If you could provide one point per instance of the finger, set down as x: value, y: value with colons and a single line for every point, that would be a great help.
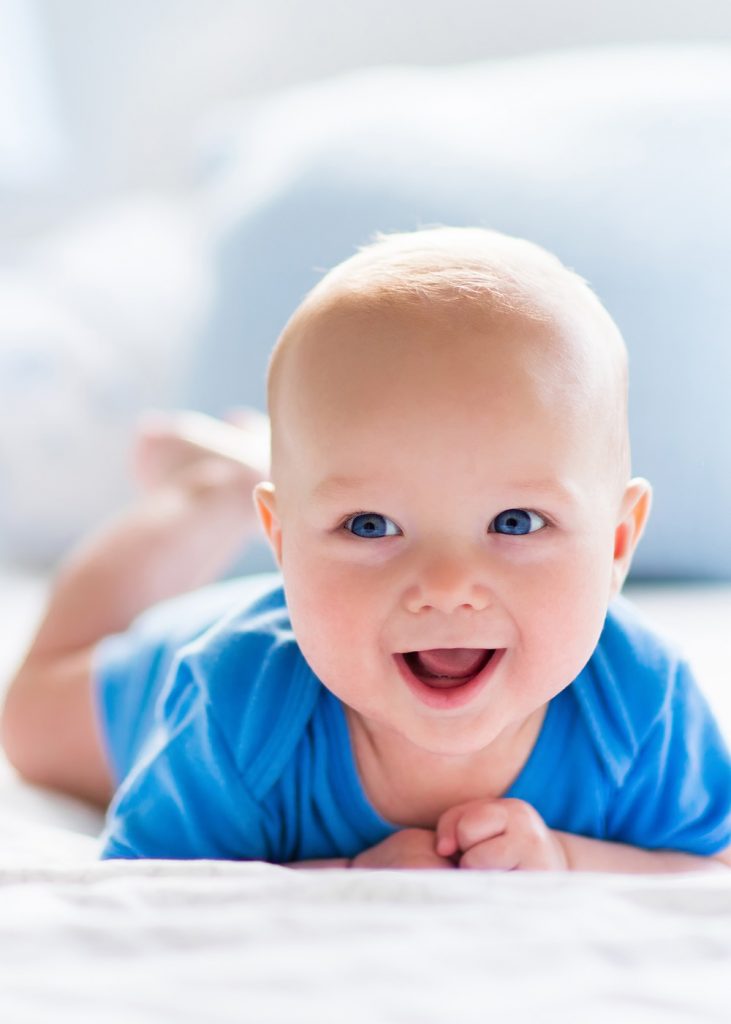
x: 496, y: 854
x: 446, y: 832
x: 480, y: 820
x: 536, y: 845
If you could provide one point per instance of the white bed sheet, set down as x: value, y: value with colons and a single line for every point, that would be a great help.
x: 207, y: 941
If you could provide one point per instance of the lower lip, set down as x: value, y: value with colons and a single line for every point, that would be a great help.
x: 453, y: 696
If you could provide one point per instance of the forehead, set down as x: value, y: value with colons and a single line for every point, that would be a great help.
x: 423, y: 377
x: 350, y: 358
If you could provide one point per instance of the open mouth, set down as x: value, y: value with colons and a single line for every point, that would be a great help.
x: 444, y: 667
x: 447, y: 677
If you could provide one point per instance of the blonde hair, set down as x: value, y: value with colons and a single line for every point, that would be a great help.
x: 450, y: 264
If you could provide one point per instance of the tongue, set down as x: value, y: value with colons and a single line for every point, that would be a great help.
x: 450, y: 663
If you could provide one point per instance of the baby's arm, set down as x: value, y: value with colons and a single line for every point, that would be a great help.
x: 584, y: 854
x: 413, y: 848
x: 509, y: 834
x: 524, y: 844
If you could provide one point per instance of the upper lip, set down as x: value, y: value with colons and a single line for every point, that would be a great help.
x: 447, y: 647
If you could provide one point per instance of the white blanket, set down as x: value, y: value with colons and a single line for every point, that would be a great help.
x: 208, y: 942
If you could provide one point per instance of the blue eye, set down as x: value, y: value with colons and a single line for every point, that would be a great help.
x: 371, y: 524
x: 516, y: 521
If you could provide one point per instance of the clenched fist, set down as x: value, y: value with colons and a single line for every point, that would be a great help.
x: 504, y: 834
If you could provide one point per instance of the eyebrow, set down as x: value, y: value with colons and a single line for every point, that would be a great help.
x: 333, y: 486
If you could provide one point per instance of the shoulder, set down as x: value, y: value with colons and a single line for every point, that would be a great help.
x: 634, y: 679
x: 247, y: 674
x: 628, y: 638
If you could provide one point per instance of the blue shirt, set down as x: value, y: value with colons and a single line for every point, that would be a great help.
x: 226, y: 745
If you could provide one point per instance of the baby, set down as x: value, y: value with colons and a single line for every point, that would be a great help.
x: 443, y: 676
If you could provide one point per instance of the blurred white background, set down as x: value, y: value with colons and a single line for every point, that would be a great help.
x: 169, y: 186
x: 98, y: 97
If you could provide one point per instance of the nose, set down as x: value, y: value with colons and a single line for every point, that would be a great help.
x: 445, y: 585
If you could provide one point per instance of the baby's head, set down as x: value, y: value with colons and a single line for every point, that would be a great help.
x: 450, y: 471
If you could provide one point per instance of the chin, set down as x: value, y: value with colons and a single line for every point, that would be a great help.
x: 451, y: 742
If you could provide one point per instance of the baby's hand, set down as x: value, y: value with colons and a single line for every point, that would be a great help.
x: 408, y: 848
x: 504, y: 834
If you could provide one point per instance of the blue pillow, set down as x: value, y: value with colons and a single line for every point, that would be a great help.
x: 618, y: 160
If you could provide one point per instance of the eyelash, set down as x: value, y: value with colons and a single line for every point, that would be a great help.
x: 365, y: 512
x: 354, y: 515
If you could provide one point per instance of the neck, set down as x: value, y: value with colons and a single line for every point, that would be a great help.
x: 412, y: 787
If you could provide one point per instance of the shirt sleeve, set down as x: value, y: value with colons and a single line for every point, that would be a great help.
x: 184, y: 798
x: 677, y: 792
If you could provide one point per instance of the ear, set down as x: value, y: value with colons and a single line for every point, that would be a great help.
x: 635, y: 509
x: 265, y: 500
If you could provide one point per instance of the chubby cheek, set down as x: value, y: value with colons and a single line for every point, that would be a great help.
x: 567, y: 611
x: 335, y: 617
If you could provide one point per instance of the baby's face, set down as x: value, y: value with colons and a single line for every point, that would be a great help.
x: 440, y: 486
